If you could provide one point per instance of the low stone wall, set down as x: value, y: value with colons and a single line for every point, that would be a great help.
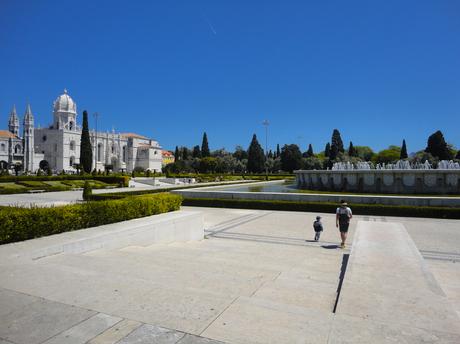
x: 178, y: 226
x: 382, y: 181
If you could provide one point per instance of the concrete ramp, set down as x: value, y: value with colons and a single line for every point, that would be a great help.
x: 389, y: 295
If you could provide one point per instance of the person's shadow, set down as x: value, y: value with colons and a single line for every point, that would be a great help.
x: 330, y: 247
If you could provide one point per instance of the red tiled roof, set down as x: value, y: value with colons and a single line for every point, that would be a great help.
x: 167, y: 153
x: 137, y: 136
x: 6, y: 133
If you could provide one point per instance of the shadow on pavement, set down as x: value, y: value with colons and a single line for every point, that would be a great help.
x: 330, y: 247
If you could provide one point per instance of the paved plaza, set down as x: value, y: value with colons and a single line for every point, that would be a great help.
x: 257, y: 278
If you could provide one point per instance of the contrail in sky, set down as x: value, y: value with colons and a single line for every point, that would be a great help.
x: 209, y: 23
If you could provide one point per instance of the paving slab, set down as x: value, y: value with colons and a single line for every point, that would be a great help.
x: 116, y: 333
x: 191, y: 339
x: 354, y: 330
x: 254, y: 320
x: 86, y: 330
x: 2, y: 341
x: 40, y: 320
x: 152, y: 334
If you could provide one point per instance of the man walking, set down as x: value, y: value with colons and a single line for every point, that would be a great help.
x: 342, y: 220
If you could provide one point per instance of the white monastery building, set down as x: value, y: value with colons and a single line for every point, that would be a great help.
x: 58, y: 146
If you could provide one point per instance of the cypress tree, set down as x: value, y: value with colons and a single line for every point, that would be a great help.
x: 278, y: 152
x: 403, y: 154
x: 336, y: 144
x: 177, y: 155
x: 437, y: 146
x: 290, y: 158
x: 327, y: 150
x: 205, y: 147
x: 196, y: 152
x: 310, y: 151
x: 185, y: 153
x: 86, y: 151
x: 351, y: 150
x: 256, y: 158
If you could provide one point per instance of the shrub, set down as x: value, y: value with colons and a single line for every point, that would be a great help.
x: 327, y: 207
x: 87, y: 191
x: 19, y: 224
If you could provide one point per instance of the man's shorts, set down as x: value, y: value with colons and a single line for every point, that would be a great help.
x: 344, y: 226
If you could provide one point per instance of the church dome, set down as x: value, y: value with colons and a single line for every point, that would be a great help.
x: 64, y: 103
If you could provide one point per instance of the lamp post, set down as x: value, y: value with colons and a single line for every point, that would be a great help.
x: 96, y: 115
x: 266, y: 124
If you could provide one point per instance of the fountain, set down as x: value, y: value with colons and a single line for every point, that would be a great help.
x: 399, y: 177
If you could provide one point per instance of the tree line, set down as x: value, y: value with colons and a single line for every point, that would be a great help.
x: 289, y: 157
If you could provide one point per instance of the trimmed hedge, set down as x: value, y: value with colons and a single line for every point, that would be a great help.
x: 105, y: 179
x: 327, y: 207
x: 19, y: 224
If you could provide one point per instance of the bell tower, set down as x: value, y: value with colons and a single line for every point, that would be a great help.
x: 28, y: 140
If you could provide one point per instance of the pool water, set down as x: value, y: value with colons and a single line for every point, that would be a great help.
x: 281, y: 187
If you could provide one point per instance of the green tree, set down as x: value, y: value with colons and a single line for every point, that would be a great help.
x: 327, y: 150
x: 278, y: 152
x: 205, y: 147
x: 311, y: 163
x: 86, y: 152
x: 364, y: 152
x: 403, y: 151
x: 185, y: 153
x: 240, y: 153
x: 196, y: 152
x: 291, y: 158
x: 437, y: 146
x: 177, y: 155
x: 310, y: 152
x: 256, y: 158
x: 458, y: 155
x: 336, y: 145
x: 352, y: 150
x: 389, y: 155
x: 208, y: 165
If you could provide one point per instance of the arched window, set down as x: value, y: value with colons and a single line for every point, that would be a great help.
x: 72, y: 145
x: 113, y: 149
x: 70, y: 125
x: 124, y: 153
x: 17, y: 149
x: 71, y: 161
x: 99, y: 152
x: 2, y: 147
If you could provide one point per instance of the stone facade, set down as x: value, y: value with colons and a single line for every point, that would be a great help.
x: 382, y: 181
x: 58, y: 146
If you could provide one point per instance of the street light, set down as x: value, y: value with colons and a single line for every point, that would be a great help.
x: 96, y: 115
x: 266, y: 124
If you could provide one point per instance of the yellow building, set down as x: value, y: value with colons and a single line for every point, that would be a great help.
x: 168, y: 157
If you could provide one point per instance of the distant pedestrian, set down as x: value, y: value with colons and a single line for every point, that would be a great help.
x: 342, y: 220
x: 318, y: 227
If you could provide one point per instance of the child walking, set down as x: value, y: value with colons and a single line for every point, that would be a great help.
x: 318, y: 227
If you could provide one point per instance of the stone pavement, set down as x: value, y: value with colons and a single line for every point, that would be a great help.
x: 255, y: 279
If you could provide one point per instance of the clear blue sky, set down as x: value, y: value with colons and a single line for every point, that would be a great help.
x: 379, y: 71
